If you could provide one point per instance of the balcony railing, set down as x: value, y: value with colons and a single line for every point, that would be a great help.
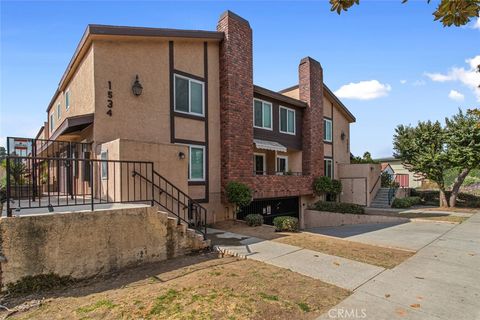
x: 277, y: 173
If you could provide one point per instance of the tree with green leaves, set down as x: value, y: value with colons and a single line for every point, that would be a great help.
x: 3, y: 153
x: 429, y: 150
x: 449, y: 12
x: 238, y: 194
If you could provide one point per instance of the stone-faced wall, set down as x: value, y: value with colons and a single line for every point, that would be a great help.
x: 84, y: 244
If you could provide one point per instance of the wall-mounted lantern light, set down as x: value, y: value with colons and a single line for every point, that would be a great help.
x: 137, y: 87
x: 181, y: 155
x: 343, y: 135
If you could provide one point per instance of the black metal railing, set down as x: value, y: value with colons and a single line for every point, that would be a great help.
x: 177, y: 202
x: 277, y: 173
x: 49, y: 182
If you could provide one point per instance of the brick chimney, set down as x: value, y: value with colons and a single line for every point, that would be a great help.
x: 236, y: 98
x: 310, y: 82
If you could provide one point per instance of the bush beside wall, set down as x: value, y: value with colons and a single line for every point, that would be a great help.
x: 254, y: 220
x: 285, y: 223
x: 338, y: 207
x: 406, y: 202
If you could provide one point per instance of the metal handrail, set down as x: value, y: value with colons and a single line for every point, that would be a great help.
x: 179, y: 202
x: 376, y: 182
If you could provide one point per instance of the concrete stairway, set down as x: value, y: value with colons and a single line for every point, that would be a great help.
x: 381, y: 199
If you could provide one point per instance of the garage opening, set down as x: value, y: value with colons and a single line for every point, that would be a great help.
x: 271, y: 208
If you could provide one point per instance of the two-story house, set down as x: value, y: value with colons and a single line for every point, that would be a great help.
x: 185, y: 100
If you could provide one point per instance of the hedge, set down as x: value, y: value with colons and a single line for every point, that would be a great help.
x: 254, y: 220
x: 340, y: 207
x: 406, y: 202
x: 285, y: 223
x: 432, y: 198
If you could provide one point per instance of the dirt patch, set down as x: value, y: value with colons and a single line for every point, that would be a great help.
x: 461, y: 210
x: 193, y: 287
x: 433, y: 217
x: 375, y: 255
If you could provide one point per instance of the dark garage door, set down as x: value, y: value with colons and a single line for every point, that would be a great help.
x: 271, y: 208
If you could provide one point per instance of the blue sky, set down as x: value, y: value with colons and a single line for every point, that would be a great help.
x: 390, y: 63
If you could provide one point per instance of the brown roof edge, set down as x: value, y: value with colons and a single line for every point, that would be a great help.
x: 330, y: 93
x: 40, y: 131
x: 280, y: 97
x: 97, y: 29
x: 83, y: 119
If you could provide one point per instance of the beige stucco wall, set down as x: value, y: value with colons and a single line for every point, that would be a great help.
x: 315, y: 219
x: 164, y: 157
x: 143, y: 118
x: 189, y: 129
x: 81, y: 87
x: 398, y: 167
x: 295, y: 93
x: 360, y: 182
x: 85, y: 244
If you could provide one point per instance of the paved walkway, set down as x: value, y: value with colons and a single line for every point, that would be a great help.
x: 440, y: 282
x: 338, y: 271
x: 411, y: 236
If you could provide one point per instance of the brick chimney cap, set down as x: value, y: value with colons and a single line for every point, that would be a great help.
x: 233, y: 15
x: 310, y: 60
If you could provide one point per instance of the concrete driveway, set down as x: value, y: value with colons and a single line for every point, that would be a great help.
x: 410, y: 236
x: 440, y: 282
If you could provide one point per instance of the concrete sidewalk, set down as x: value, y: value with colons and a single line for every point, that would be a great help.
x: 440, y: 282
x: 338, y: 271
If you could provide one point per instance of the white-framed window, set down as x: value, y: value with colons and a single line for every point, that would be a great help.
x: 259, y: 163
x: 52, y: 122
x: 287, y: 120
x: 59, y: 111
x: 196, y: 163
x: 327, y: 130
x: 282, y: 164
x: 188, y: 95
x: 67, y: 99
x: 104, y: 164
x: 262, y: 114
x: 328, y: 168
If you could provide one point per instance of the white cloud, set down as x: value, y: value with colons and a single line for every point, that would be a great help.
x: 363, y: 90
x: 467, y: 76
x: 476, y: 24
x: 455, y: 95
x: 403, y: 81
x: 418, y: 83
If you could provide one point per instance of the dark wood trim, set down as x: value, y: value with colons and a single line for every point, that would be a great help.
x: 189, y: 142
x: 205, y: 112
x: 328, y: 157
x: 328, y: 118
x: 197, y: 183
x: 279, y: 97
x: 328, y: 142
x: 333, y: 145
x: 188, y: 75
x: 188, y: 116
x: 170, y: 66
x: 152, y: 32
x: 72, y: 124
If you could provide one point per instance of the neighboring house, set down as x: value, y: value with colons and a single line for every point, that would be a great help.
x: 403, y: 176
x: 200, y: 119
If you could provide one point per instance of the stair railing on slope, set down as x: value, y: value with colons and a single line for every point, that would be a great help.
x: 175, y: 201
x: 392, y: 191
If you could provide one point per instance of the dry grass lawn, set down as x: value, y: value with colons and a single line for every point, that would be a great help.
x: 193, y: 287
x: 433, y: 216
x: 375, y: 255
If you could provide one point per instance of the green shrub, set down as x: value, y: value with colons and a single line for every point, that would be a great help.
x: 238, y: 194
x: 406, y: 202
x: 325, y: 185
x: 431, y: 198
x: 338, y: 207
x: 254, y: 220
x: 285, y: 223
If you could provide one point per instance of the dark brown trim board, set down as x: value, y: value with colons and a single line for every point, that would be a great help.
x: 205, y: 112
x: 279, y: 97
x: 72, y: 124
x: 170, y: 66
x: 188, y: 75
